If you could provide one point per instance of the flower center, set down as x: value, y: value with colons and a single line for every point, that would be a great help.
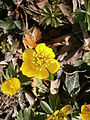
x: 41, y: 59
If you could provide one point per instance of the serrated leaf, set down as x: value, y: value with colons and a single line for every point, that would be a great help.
x: 46, y: 107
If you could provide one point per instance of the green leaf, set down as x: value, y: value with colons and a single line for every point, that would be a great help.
x: 79, y: 15
x: 53, y: 22
x: 43, y: 20
x: 51, y: 15
x: 72, y: 84
x: 20, y: 115
x: 10, y: 72
x: 44, y: 10
x: 58, y: 103
x: 48, y: 8
x: 78, y: 63
x: 48, y: 21
x: 7, y: 25
x: 46, y: 107
x: 86, y: 58
x: 18, y: 24
x: 24, y: 80
x: 52, y: 102
x: 40, y: 116
x: 51, y: 77
x: 7, y: 74
x: 28, y: 114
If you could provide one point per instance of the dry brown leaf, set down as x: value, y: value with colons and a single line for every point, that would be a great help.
x: 71, y: 51
x: 21, y: 100
x: 31, y: 37
x: 34, y: 83
x: 86, y: 45
x: 74, y: 5
x: 76, y: 2
x: 66, y: 10
x: 54, y: 87
x: 41, y: 3
x: 9, y: 115
x: 1, y: 71
x: 30, y: 98
x: 61, y: 40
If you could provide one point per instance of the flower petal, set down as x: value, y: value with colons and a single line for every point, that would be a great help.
x: 28, y: 69
x: 44, y: 49
x: 85, y: 108
x: 40, y: 47
x: 42, y: 74
x: 11, y: 86
x: 53, y: 66
x: 28, y: 55
x: 66, y: 110
x: 85, y: 116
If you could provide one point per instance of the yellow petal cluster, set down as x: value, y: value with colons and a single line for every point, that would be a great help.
x: 61, y: 114
x: 37, y: 63
x: 11, y: 86
x: 85, y: 112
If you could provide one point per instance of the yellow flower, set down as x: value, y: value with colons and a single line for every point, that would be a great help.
x: 10, y: 86
x: 61, y: 114
x: 85, y: 112
x: 37, y: 63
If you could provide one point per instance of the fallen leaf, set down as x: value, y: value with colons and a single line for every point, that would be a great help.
x: 54, y: 87
x: 41, y: 3
x: 86, y: 45
x: 30, y: 98
x: 74, y: 5
x: 31, y: 37
x: 71, y: 51
x: 66, y: 10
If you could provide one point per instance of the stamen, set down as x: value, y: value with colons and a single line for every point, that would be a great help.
x: 41, y: 59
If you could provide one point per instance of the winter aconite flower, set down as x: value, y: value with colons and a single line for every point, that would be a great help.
x: 85, y: 112
x: 11, y: 86
x: 61, y: 114
x: 37, y: 63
